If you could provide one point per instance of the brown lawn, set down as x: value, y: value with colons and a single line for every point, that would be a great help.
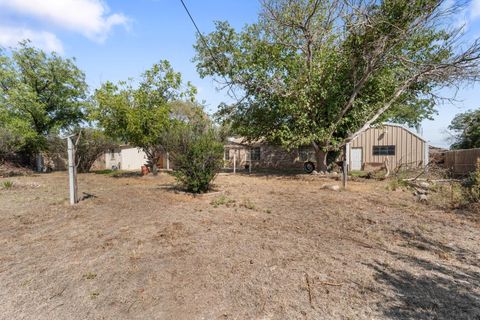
x: 271, y: 247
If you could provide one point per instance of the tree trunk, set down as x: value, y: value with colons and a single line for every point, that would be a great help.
x: 152, y: 157
x: 321, y: 157
x: 154, y: 167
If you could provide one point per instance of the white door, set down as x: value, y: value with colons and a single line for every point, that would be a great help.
x: 356, y: 156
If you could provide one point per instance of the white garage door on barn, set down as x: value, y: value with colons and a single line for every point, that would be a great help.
x: 356, y: 158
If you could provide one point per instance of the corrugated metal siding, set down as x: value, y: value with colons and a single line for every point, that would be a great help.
x: 409, y: 148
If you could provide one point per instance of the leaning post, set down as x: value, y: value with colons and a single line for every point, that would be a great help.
x: 345, y: 162
x: 72, y: 171
x: 234, y: 162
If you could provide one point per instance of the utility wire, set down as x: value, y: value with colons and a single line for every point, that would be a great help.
x: 205, y: 43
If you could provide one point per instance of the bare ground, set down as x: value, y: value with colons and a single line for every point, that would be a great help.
x: 271, y: 247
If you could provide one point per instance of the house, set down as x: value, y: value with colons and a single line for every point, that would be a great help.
x: 241, y: 153
x: 390, y: 144
x: 126, y: 157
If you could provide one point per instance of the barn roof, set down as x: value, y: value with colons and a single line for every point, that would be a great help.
x: 386, y: 124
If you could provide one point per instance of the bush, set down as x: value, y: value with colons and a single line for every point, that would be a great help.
x: 471, y: 186
x: 198, y: 160
x: 92, y: 144
x: 10, y: 143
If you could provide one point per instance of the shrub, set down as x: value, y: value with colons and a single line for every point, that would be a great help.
x: 198, y: 159
x: 92, y: 144
x: 471, y: 186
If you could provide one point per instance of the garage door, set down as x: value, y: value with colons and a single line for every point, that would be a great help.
x: 356, y: 156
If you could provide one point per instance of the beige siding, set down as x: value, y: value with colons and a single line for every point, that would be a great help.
x: 409, y: 148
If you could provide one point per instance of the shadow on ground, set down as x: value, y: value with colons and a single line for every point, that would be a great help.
x: 427, y: 289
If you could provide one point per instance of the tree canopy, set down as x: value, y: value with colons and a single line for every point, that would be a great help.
x: 40, y: 94
x: 466, y: 127
x: 141, y: 114
x: 321, y: 72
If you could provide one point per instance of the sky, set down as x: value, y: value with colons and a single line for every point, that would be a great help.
x: 119, y: 39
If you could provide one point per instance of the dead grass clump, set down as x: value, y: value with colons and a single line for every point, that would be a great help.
x: 248, y: 204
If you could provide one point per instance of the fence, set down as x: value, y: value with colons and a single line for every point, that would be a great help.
x: 462, y: 161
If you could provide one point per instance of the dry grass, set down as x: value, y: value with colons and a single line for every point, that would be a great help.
x: 270, y: 247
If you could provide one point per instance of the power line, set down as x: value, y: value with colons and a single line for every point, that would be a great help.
x: 205, y: 43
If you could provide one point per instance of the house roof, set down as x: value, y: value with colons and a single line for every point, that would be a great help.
x: 241, y: 141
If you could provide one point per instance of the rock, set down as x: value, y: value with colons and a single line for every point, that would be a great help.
x: 421, y: 191
x: 334, y: 173
x: 332, y: 187
x: 422, y: 198
x: 314, y: 172
x: 424, y: 185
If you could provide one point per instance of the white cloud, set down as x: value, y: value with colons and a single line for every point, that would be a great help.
x: 91, y: 18
x: 10, y: 36
x: 475, y: 9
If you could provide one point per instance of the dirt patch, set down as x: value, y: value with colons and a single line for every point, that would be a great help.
x: 269, y: 247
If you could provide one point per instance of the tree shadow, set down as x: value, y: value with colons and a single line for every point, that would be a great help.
x: 449, y: 295
x: 421, y: 242
x: 88, y: 196
x: 282, y: 174
x: 426, y: 289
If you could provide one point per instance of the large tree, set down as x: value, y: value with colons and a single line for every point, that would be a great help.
x: 321, y: 72
x: 140, y: 114
x: 466, y: 127
x: 40, y: 94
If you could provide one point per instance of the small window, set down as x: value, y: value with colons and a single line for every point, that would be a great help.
x: 255, y: 154
x: 383, y: 150
x: 112, y: 154
x: 226, y: 154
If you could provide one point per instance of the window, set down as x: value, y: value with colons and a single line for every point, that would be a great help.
x: 255, y: 154
x: 112, y: 154
x: 383, y: 150
x: 226, y: 154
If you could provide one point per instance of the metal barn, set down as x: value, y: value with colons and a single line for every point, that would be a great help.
x: 389, y: 143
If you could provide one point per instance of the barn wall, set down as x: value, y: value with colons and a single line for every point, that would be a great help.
x: 409, y: 148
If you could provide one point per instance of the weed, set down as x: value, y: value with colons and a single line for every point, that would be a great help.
x: 223, y: 200
x: 89, y: 276
x: 247, y: 203
x: 396, y: 183
x: 424, y: 228
x: 7, y: 185
x: 471, y: 186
